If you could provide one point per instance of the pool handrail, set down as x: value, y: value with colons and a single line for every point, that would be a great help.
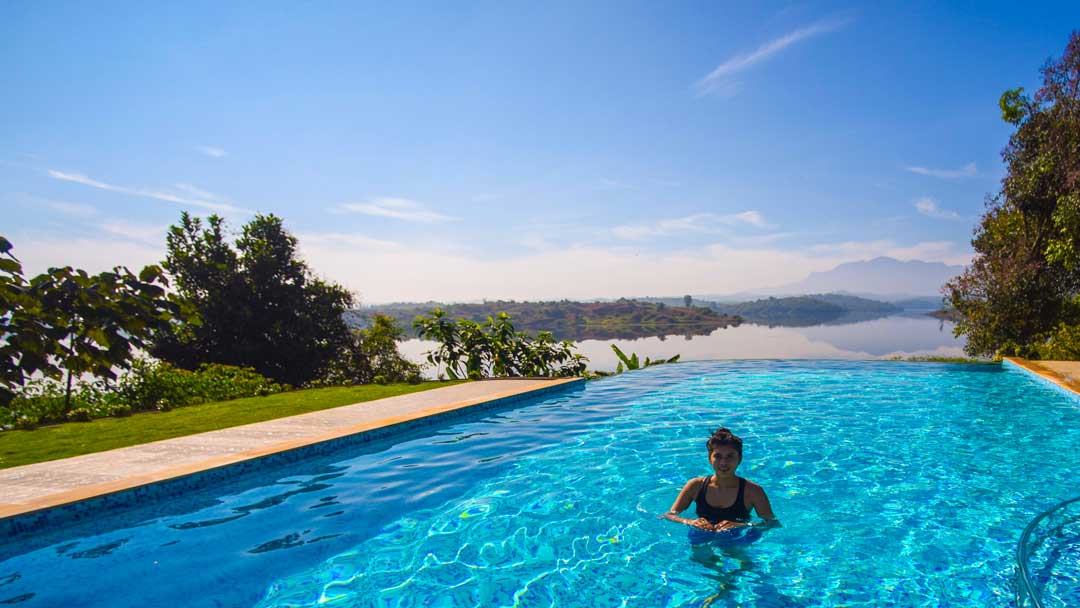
x: 1026, y: 586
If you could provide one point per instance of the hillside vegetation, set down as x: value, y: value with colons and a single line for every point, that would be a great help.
x: 621, y: 319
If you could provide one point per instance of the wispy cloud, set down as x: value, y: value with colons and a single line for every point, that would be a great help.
x: 698, y: 222
x: 150, y: 234
x: 719, y: 81
x: 212, y: 152
x: 358, y: 241
x: 929, y: 207
x: 967, y: 170
x: 397, y: 208
x: 161, y: 196
x: 849, y: 251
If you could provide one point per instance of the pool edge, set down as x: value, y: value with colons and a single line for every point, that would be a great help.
x: 1045, y: 375
x: 60, y: 507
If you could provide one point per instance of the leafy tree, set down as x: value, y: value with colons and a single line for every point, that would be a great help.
x: 688, y: 301
x: 256, y: 304
x: 1022, y: 285
x: 472, y: 350
x: 372, y: 356
x: 66, y: 321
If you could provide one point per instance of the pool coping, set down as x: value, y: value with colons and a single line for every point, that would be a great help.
x: 33, y: 513
x: 1040, y: 371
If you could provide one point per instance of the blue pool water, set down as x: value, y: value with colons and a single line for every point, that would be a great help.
x: 897, y: 484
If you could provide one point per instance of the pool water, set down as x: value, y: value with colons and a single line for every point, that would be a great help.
x: 897, y: 484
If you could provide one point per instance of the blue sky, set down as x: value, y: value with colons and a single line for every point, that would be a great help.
x: 462, y: 151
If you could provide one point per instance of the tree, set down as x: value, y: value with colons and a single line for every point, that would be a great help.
x: 372, y: 356
x: 687, y: 301
x: 1025, y: 277
x: 256, y: 304
x: 472, y: 350
x: 66, y: 321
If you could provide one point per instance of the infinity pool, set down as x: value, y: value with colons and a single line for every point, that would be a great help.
x: 897, y: 484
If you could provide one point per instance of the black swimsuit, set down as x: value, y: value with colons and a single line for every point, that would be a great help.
x: 736, y: 512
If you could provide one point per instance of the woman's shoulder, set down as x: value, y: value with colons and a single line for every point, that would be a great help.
x: 753, y: 487
x: 694, y: 482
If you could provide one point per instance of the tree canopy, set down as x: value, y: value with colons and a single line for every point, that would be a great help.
x: 255, y: 304
x: 68, y: 321
x: 1020, y: 291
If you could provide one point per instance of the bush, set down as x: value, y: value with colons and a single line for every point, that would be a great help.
x: 147, y: 386
x: 1060, y: 344
x: 79, y: 414
x: 371, y: 356
x: 120, y: 411
x: 42, y: 402
x: 493, y: 349
x: 158, y: 385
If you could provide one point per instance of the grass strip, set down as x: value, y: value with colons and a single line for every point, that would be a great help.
x: 76, y: 438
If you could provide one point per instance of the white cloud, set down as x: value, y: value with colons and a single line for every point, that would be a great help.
x: 719, y: 80
x: 581, y: 272
x: 929, y: 207
x: 38, y: 253
x: 198, y: 193
x: 161, y: 196
x: 706, y: 223
x: 151, y: 234
x: 212, y: 152
x: 928, y: 251
x: 384, y: 271
x: 359, y: 241
x: 397, y: 208
x: 967, y: 170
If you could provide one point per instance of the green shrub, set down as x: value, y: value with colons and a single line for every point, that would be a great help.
x: 79, y: 414
x: 160, y: 386
x: 147, y: 386
x: 1062, y: 344
x: 371, y: 356
x: 493, y: 349
x: 120, y: 411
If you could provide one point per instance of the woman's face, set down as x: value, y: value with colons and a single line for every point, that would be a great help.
x: 724, y: 460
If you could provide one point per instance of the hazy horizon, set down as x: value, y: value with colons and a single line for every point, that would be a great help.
x: 493, y: 151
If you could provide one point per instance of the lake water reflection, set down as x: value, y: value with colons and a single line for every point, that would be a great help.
x: 900, y: 335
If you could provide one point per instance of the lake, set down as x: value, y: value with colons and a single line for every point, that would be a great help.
x: 902, y: 335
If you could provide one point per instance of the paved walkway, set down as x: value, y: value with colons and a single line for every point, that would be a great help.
x: 1063, y: 373
x: 48, y: 484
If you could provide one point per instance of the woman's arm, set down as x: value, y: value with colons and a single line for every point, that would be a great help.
x: 686, y: 496
x: 759, y: 501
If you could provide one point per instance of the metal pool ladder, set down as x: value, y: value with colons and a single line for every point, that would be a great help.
x: 1028, y: 592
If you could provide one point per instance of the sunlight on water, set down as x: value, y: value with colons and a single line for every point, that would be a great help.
x: 897, y: 484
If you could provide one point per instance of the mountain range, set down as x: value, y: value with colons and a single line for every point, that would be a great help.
x: 881, y: 278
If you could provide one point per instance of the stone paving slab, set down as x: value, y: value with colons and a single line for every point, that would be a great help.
x: 1063, y: 373
x: 47, y: 484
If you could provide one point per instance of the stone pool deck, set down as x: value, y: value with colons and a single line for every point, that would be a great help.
x: 42, y: 485
x: 1065, y: 374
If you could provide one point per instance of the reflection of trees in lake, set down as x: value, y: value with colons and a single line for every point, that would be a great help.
x: 602, y: 330
x: 618, y: 320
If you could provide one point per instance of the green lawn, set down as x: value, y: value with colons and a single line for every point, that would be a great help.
x: 74, y: 438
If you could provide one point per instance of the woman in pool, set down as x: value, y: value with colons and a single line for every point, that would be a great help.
x: 722, y: 488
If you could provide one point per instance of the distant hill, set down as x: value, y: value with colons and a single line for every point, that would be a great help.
x: 880, y: 278
x: 801, y: 311
x: 620, y: 319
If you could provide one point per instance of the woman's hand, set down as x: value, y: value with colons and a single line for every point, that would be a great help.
x: 700, y: 523
x: 727, y: 525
